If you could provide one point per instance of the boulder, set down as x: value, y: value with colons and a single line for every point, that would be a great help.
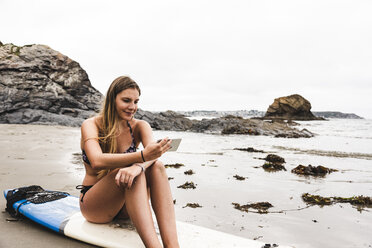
x: 42, y: 86
x: 293, y: 107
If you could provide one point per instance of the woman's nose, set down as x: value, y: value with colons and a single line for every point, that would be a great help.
x: 131, y: 105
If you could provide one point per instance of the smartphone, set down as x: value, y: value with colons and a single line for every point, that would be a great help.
x: 174, y: 145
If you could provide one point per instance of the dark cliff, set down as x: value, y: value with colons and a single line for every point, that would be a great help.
x: 42, y: 86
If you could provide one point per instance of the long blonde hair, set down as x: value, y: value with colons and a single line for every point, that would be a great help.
x: 108, y: 121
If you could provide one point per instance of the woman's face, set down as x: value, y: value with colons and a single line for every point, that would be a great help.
x: 126, y: 103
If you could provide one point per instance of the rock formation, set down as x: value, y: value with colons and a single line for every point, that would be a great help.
x: 40, y: 85
x: 238, y: 125
x: 170, y: 120
x: 293, y: 107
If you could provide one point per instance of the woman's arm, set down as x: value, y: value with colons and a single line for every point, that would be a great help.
x: 126, y: 176
x: 99, y: 160
x: 146, y: 138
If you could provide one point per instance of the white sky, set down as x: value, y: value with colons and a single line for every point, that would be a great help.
x: 210, y: 55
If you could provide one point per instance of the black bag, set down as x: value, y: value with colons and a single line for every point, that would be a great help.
x: 34, y: 194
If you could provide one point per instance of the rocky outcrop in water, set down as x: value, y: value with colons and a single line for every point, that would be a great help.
x: 42, y: 86
x: 238, y: 125
x: 170, y: 120
x: 293, y: 107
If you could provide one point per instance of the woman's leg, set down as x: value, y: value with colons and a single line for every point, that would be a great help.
x: 105, y: 199
x: 123, y: 214
x: 138, y: 208
x: 162, y: 203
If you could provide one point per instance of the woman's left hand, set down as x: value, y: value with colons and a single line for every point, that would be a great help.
x: 126, y: 176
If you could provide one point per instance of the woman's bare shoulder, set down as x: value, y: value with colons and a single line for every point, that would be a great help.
x: 90, y: 122
x: 141, y: 124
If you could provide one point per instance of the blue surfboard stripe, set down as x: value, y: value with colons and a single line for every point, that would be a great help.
x: 52, y: 215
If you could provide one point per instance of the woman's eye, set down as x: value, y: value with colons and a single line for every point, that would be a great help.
x: 129, y: 101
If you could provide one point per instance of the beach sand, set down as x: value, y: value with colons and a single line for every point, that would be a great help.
x: 49, y: 156
x: 39, y: 155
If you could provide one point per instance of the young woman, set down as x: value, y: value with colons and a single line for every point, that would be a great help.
x: 119, y: 179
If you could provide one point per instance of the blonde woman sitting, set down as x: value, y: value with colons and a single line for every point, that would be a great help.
x: 119, y: 179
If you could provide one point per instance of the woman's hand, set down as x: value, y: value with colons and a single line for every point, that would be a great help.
x: 155, y: 150
x: 126, y: 176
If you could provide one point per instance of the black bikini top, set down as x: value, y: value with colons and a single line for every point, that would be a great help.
x: 132, y: 147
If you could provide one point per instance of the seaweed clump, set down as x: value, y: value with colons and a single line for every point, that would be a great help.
x: 189, y: 172
x: 261, y: 207
x: 360, y: 202
x: 269, y: 245
x: 240, y: 178
x: 176, y: 165
x: 192, y: 205
x: 312, y: 170
x: 273, y: 163
x: 249, y: 149
x: 270, y: 167
x: 274, y: 159
x: 317, y: 199
x: 187, y: 185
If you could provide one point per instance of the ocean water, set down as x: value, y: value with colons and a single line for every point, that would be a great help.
x: 345, y: 145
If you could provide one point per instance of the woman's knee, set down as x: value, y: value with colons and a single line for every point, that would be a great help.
x: 158, y: 166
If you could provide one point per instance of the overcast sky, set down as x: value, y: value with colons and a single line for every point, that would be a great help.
x: 210, y: 55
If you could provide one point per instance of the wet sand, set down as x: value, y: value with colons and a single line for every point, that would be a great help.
x: 49, y: 156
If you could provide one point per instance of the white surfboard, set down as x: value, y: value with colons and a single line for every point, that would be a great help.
x: 64, y: 216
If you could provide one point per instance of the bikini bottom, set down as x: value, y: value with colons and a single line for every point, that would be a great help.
x: 84, y: 189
